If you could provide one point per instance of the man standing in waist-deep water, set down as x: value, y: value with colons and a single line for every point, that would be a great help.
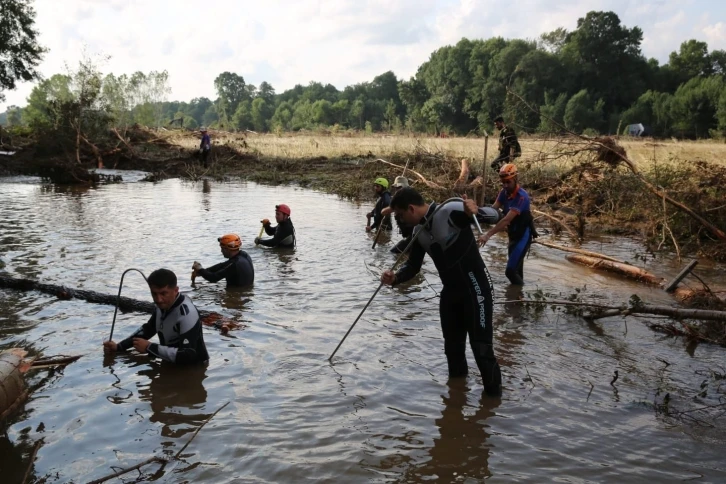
x: 380, y: 221
x: 176, y: 322
x: 283, y: 234
x: 237, y: 270
x: 444, y: 232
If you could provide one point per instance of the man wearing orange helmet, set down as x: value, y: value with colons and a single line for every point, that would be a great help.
x: 283, y: 235
x: 514, y: 202
x: 238, y: 270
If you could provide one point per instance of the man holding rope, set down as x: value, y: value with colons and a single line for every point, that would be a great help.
x: 444, y: 232
x: 176, y: 322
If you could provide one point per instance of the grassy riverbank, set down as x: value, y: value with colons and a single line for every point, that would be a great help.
x: 568, y: 178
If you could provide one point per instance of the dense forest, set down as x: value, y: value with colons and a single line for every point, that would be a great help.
x: 591, y: 80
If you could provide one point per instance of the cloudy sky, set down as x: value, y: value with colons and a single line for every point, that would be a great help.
x: 332, y: 41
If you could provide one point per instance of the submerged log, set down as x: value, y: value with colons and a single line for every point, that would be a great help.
x: 125, y: 304
x: 631, y: 272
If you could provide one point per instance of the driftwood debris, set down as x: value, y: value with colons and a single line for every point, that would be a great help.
x: 125, y: 304
x: 578, y: 251
x: 629, y: 271
x: 605, y: 309
x: 559, y: 222
x: 428, y: 183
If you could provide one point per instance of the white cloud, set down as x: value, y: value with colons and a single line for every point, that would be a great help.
x: 341, y: 42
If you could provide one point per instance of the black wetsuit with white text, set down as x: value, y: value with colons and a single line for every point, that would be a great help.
x: 466, y: 299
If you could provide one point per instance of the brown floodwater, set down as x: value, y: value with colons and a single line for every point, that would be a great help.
x: 384, y: 410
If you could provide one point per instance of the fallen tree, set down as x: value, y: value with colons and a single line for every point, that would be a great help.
x: 125, y: 304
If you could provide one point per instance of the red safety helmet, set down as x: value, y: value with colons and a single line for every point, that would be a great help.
x: 282, y: 208
x: 230, y: 241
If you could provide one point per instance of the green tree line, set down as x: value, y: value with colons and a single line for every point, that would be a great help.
x: 592, y: 79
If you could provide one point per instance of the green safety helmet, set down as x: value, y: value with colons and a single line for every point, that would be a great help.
x: 382, y: 182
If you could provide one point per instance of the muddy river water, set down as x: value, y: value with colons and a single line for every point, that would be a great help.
x: 384, y: 410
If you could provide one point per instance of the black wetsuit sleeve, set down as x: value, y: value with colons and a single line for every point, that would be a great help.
x: 218, y: 271
x: 146, y: 331
x: 412, y: 265
x: 269, y: 229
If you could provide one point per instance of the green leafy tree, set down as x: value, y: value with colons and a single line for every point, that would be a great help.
x: 553, y: 113
x: 695, y: 106
x: 282, y: 118
x: 231, y: 90
x: 14, y: 116
x: 242, y: 118
x: 692, y: 60
x: 581, y: 113
x: 44, y: 99
x: 262, y: 112
x: 20, y: 52
x: 357, y: 111
x: 605, y: 57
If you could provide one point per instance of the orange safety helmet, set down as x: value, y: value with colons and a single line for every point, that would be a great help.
x: 230, y: 241
x: 283, y: 209
x: 508, y: 171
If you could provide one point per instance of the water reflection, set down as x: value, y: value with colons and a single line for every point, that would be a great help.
x: 177, y: 397
x: 461, y: 451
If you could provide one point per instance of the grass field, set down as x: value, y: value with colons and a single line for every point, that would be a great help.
x: 548, y: 151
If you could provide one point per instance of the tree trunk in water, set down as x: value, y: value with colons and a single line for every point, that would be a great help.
x: 625, y: 270
x: 125, y: 304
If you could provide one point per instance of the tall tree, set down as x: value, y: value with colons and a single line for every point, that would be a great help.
x: 20, y: 52
x: 231, y: 89
x: 604, y: 56
x: 690, y: 61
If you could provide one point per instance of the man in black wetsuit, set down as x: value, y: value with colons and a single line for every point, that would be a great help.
x: 283, y: 235
x: 238, y: 270
x: 176, y: 322
x: 384, y: 200
x: 444, y: 232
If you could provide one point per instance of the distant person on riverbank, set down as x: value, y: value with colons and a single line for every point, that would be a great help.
x: 205, y: 147
x: 406, y: 231
x: 176, y: 322
x: 384, y: 199
x: 515, y: 204
x: 444, y: 232
x: 238, y: 270
x: 509, y: 148
x: 283, y: 235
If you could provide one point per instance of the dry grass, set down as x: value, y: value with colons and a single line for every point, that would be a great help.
x: 311, y: 145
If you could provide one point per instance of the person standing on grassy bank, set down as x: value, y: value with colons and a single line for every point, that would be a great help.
x: 238, y: 270
x: 380, y: 221
x: 444, y: 232
x: 283, y: 235
x: 509, y: 148
x: 205, y: 147
x: 176, y: 322
x: 514, y: 202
